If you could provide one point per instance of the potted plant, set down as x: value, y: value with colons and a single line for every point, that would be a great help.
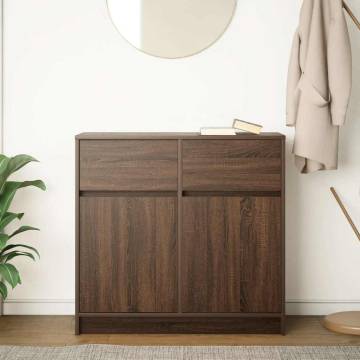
x: 10, y: 250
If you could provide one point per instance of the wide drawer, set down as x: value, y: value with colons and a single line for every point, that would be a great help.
x: 128, y: 165
x: 232, y: 165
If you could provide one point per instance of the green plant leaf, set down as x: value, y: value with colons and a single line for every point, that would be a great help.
x: 8, y: 218
x: 23, y: 229
x: 19, y: 161
x: 3, y: 290
x: 9, y: 256
x: 10, y: 189
x: 37, y: 183
x: 13, y: 246
x: 10, y: 274
x: 12, y: 165
x: 3, y: 240
x: 4, y: 162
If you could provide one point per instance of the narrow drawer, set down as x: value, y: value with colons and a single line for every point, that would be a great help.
x: 232, y: 165
x: 128, y: 165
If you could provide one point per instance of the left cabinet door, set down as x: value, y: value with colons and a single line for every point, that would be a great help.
x: 128, y: 254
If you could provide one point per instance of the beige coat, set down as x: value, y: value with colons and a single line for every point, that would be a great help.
x: 319, y: 84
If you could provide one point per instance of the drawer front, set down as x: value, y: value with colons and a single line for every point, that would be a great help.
x: 128, y: 165
x: 232, y: 165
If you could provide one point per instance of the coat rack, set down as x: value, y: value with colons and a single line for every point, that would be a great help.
x: 347, y: 322
x: 348, y: 217
x: 351, y: 14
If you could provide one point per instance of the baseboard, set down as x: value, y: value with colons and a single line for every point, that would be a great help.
x: 320, y: 307
x: 39, y: 307
x: 67, y: 306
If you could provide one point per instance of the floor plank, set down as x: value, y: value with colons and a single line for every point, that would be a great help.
x: 59, y: 331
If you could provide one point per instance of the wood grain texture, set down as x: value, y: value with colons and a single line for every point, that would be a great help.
x: 128, y: 254
x: 177, y: 230
x: 238, y: 165
x: 128, y: 165
x: 77, y: 236
x: 283, y: 233
x: 231, y: 254
x: 261, y: 269
x: 176, y: 325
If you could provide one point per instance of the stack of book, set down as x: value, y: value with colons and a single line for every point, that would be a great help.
x: 238, y: 127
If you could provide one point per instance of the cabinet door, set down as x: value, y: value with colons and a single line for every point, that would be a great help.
x: 231, y: 254
x: 128, y: 254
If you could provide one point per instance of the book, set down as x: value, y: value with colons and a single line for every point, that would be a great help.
x: 247, y: 126
x: 218, y: 131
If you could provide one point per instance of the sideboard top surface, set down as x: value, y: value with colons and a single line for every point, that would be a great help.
x: 174, y: 136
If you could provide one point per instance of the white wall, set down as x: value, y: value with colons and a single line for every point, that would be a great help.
x: 67, y: 70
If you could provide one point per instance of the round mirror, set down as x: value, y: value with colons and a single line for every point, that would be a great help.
x: 171, y: 28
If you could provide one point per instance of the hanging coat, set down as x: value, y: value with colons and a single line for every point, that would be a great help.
x: 319, y: 84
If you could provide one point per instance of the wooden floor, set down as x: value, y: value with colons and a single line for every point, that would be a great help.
x: 59, y: 330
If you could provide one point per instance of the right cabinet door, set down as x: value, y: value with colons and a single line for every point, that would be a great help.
x: 231, y: 254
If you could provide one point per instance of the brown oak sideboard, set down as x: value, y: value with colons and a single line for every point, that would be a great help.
x: 180, y: 233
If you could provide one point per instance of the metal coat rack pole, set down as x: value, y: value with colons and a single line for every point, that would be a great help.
x: 351, y: 14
